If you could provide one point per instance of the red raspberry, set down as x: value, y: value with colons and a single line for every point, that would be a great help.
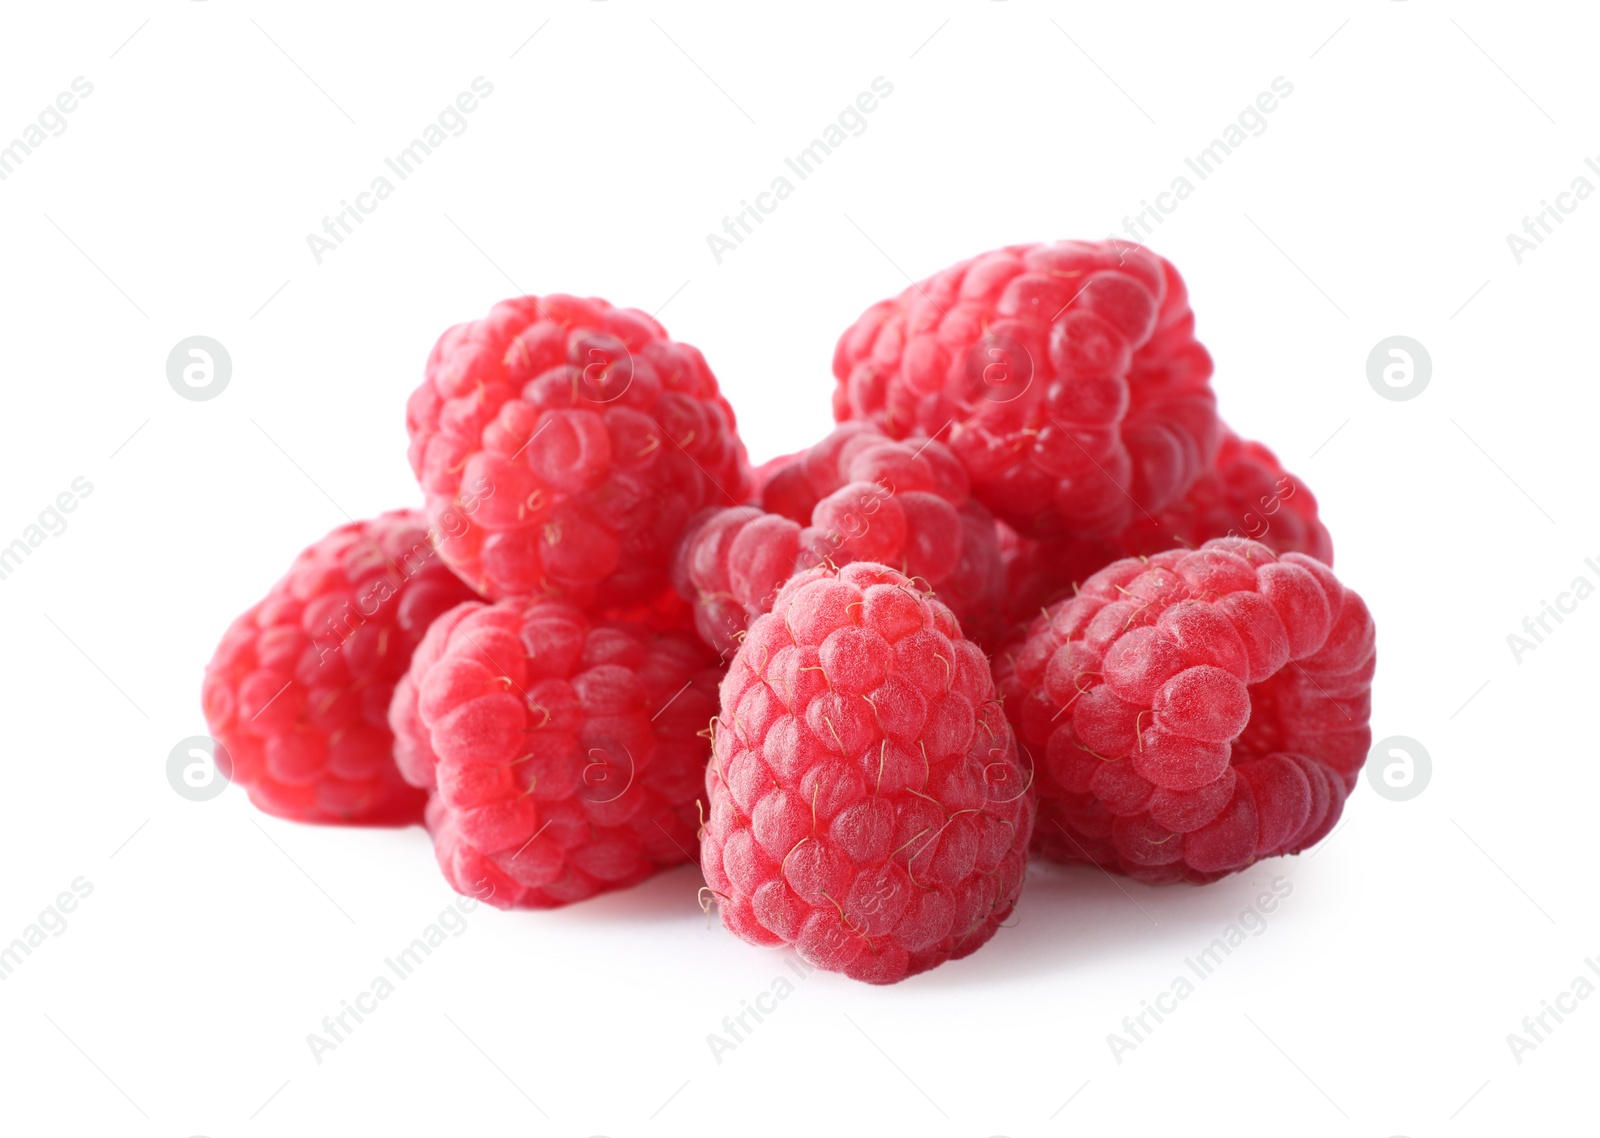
x: 565, y: 754
x: 1195, y: 711
x: 763, y: 474
x: 562, y: 445
x: 867, y: 805
x: 1246, y: 493
x: 1069, y: 376
x: 298, y: 690
x: 856, y: 496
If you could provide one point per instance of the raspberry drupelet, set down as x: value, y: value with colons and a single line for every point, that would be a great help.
x: 1193, y: 712
x: 867, y: 804
x: 564, y: 753
x: 1067, y: 376
x: 298, y: 691
x: 562, y: 444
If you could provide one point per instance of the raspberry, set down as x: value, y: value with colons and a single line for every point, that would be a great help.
x: 1069, y: 376
x: 761, y: 475
x: 856, y: 496
x: 298, y: 690
x: 1246, y: 493
x: 565, y: 754
x: 866, y: 801
x: 1194, y: 711
x: 562, y: 445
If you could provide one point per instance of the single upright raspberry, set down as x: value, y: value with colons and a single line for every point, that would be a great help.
x: 1246, y: 493
x: 1068, y: 375
x: 1192, y: 712
x: 856, y: 496
x: 562, y: 445
x: 298, y: 691
x: 565, y: 753
x: 867, y: 804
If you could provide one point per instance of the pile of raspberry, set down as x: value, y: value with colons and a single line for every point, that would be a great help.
x: 1030, y: 598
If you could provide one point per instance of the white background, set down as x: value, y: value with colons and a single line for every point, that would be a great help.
x: 1377, y: 202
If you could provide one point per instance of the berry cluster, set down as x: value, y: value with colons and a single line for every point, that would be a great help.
x: 1030, y: 597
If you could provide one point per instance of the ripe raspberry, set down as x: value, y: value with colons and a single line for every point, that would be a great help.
x: 298, y: 690
x: 856, y: 496
x: 565, y: 754
x: 1195, y: 711
x: 1246, y: 493
x: 1069, y: 376
x: 761, y: 475
x: 562, y: 445
x: 867, y: 805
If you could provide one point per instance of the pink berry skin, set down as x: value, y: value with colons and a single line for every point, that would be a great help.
x: 1195, y: 711
x: 866, y: 801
